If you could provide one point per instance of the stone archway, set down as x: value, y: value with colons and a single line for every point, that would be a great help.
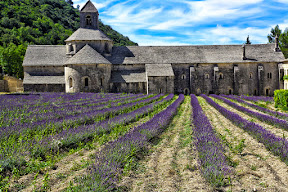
x: 186, y: 91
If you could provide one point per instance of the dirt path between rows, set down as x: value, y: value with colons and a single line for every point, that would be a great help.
x: 67, y: 169
x: 172, y: 165
x: 277, y: 131
x: 256, y: 168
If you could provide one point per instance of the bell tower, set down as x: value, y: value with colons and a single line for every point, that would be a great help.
x: 89, y: 16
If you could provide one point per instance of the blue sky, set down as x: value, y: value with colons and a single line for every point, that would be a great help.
x: 186, y: 22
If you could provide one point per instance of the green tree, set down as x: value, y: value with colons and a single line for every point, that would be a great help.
x: 282, y: 38
x: 274, y: 31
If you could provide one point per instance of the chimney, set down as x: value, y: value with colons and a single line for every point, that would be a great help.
x: 277, y: 43
x: 244, y: 54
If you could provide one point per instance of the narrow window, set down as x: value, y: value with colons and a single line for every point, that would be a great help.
x: 267, y: 92
x: 70, y: 82
x: 183, y: 76
x: 88, y: 20
x: 270, y: 75
x: 86, y: 82
x: 101, y: 81
x: 206, y: 76
x: 221, y: 76
x: 250, y: 75
x: 255, y: 92
x: 107, y: 48
x: 230, y: 91
x: 160, y: 90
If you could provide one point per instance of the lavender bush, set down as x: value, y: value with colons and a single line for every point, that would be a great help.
x: 213, y: 163
x: 117, y: 155
x: 265, y: 110
x: 262, y: 117
x: 257, y: 98
x: 16, y: 145
x: 277, y: 145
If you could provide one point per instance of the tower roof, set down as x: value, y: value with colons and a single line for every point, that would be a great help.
x: 87, y: 55
x: 83, y: 34
x: 89, y: 7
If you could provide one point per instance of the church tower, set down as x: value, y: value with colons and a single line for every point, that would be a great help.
x: 89, y: 33
x: 89, y: 16
x: 87, y: 68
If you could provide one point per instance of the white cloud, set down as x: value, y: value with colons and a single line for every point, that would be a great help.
x: 226, y: 35
x: 282, y: 1
x: 208, y: 11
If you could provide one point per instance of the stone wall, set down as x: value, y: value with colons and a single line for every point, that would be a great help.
x: 241, y: 78
x: 158, y: 85
x: 139, y: 87
x: 44, y: 88
x: 14, y: 84
x: 98, y: 78
x: 4, y: 86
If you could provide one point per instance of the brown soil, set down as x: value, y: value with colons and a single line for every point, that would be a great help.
x: 257, y: 169
x: 172, y: 165
x: 277, y: 131
x: 67, y: 169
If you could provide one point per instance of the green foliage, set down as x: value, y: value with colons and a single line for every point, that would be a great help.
x: 281, y: 98
x: 39, y: 22
x: 283, y: 39
x: 285, y: 77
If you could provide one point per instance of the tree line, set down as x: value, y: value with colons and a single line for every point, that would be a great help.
x: 39, y: 22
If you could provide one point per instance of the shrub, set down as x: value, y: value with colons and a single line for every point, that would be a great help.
x: 281, y: 98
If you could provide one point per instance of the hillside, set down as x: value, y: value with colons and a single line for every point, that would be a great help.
x: 40, y: 22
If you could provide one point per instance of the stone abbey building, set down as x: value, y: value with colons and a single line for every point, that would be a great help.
x: 89, y: 63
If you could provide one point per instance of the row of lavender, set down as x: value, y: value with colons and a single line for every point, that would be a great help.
x: 26, y: 142
x: 52, y: 109
x: 277, y: 145
x: 257, y: 107
x: 55, y: 125
x: 263, y: 117
x: 116, y: 155
x: 213, y: 163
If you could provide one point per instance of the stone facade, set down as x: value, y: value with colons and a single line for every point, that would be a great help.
x: 90, y: 63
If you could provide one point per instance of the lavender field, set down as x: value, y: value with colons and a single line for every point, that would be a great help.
x: 138, y: 142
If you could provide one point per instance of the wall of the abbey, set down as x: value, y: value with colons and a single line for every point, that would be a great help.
x: 87, y: 78
x: 240, y: 78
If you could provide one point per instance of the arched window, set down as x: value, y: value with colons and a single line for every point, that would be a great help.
x: 107, y: 48
x: 267, y: 92
x: 206, y: 76
x: 183, y: 77
x: 255, y: 92
x: 230, y: 91
x: 88, y: 20
x: 186, y: 91
x: 86, y: 80
x: 250, y: 76
x: 101, y: 81
x: 221, y: 76
x: 70, y: 82
x: 160, y: 90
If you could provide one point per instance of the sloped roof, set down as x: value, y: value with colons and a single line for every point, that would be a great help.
x: 44, y: 79
x: 87, y: 55
x: 128, y: 76
x: 83, y: 34
x: 154, y: 70
x: 45, y: 55
x: 195, y: 54
x: 89, y: 7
